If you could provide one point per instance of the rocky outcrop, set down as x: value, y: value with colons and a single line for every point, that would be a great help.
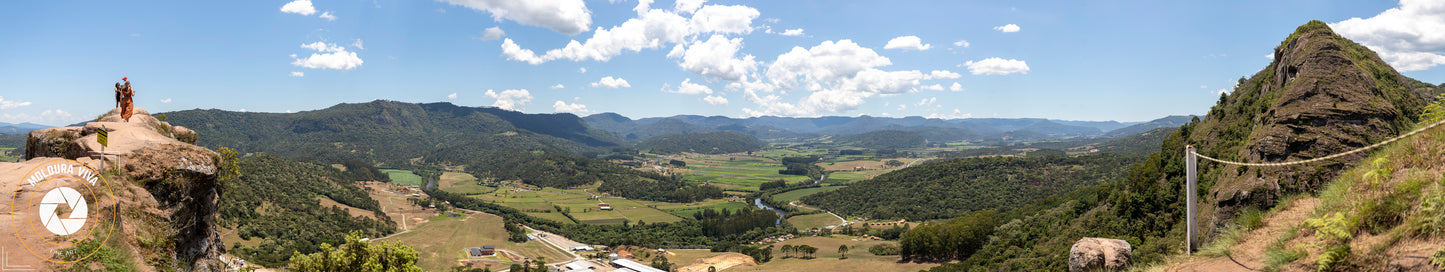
x: 166, y: 197
x: 1095, y: 254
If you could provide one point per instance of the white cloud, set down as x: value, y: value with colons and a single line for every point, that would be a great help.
x: 715, y: 100
x: 957, y: 114
x: 941, y: 74
x: 997, y: 66
x: 582, y: 70
x: 358, y: 44
x: 569, y: 108
x: 5, y: 104
x: 652, y: 29
x: 687, y: 6
x: 927, y: 101
x: 452, y: 96
x: 611, y: 83
x: 792, y: 32
x: 330, y: 56
x: 243, y: 110
x: 564, y: 16
x: 840, y: 77
x: 715, y: 57
x: 687, y: 87
x: 323, y: 47
x: 327, y: 15
x: 1221, y: 91
x: 167, y: 100
x: 956, y: 87
x: 642, y: 6
x: 934, y: 87
x: 1269, y: 56
x: 902, y: 107
x: 1009, y: 28
x: 512, y: 100
x: 907, y: 43
x: 493, y: 33
x: 963, y: 43
x: 1410, y: 37
x: 297, y: 74
x: 558, y: 86
x: 302, y: 7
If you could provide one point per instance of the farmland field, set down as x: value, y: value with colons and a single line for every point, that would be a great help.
x: 402, y: 177
x: 745, y: 172
x: 441, y: 241
x: 577, y: 202
x: 800, y: 193
x: 462, y: 183
x: 817, y: 220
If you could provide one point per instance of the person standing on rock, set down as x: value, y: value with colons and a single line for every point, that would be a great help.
x: 125, y: 98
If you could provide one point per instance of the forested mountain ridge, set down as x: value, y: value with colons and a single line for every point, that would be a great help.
x: 720, y: 142
x: 774, y: 127
x: 1321, y: 95
x: 389, y: 132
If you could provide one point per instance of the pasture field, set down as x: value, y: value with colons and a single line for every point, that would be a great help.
x: 687, y: 212
x: 827, y: 257
x: 5, y: 155
x: 744, y: 172
x: 811, y: 221
x: 462, y: 183
x: 441, y: 241
x: 577, y: 202
x: 402, y: 177
x: 800, y: 193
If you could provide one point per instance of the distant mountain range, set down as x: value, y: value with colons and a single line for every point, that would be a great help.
x: 773, y: 127
x: 21, y: 128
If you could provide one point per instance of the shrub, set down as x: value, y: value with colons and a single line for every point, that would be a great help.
x: 883, y: 250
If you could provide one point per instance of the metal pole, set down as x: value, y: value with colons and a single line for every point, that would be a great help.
x: 1189, y: 191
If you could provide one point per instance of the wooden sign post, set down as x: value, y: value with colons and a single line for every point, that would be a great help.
x: 104, y: 138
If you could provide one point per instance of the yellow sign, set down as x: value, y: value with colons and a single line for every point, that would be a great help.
x: 102, y: 137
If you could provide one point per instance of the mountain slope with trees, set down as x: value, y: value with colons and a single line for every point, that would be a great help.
x: 720, y: 142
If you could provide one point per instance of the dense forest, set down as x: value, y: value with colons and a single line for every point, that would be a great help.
x: 883, y: 139
x: 957, y: 187
x: 278, y: 200
x: 557, y: 170
x: 720, y: 142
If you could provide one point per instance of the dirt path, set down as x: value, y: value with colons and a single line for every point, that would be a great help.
x: 1248, y: 254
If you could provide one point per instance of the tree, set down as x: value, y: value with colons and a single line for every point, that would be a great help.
x: 711, y: 269
x: 787, y: 250
x: 661, y: 263
x: 843, y: 249
x: 893, y: 163
x: 357, y: 255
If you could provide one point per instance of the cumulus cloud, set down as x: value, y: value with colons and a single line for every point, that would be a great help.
x: 1009, y: 28
x: 512, y: 100
x: 715, y: 100
x: 558, y: 86
x: 302, y: 7
x: 957, y: 114
x: 956, y: 87
x: 328, y: 56
x: 167, y: 100
x: 297, y: 74
x: 934, y: 87
x: 687, y: 87
x: 652, y: 29
x: 907, y: 43
x: 642, y: 6
x: 687, y: 6
x: 927, y: 101
x: 358, y: 44
x: 582, y: 70
x: 611, y: 83
x: 452, y: 96
x: 564, y: 16
x: 327, y: 15
x: 1410, y: 37
x: 716, y: 57
x: 941, y: 74
x: 10, y: 104
x: 840, y: 76
x: 963, y: 43
x: 492, y: 33
x: 560, y: 106
x: 792, y: 32
x: 997, y: 66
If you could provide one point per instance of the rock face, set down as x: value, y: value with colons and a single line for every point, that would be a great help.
x: 1093, y: 254
x: 166, y: 198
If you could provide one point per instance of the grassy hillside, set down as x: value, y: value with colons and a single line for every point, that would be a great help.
x: 1321, y: 95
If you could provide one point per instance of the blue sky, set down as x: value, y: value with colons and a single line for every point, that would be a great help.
x: 1073, y: 60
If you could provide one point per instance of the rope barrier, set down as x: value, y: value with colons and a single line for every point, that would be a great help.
x: 1346, y: 153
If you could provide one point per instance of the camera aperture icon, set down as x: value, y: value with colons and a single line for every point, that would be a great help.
x: 50, y: 218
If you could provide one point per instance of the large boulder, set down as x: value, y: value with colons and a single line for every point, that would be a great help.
x: 1093, y: 254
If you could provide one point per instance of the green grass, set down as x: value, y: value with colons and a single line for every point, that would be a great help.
x: 800, y: 193
x: 817, y: 220
x: 463, y: 183
x: 402, y: 177
x: 440, y: 242
x: 5, y: 155
x: 745, y: 172
x: 583, y: 209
